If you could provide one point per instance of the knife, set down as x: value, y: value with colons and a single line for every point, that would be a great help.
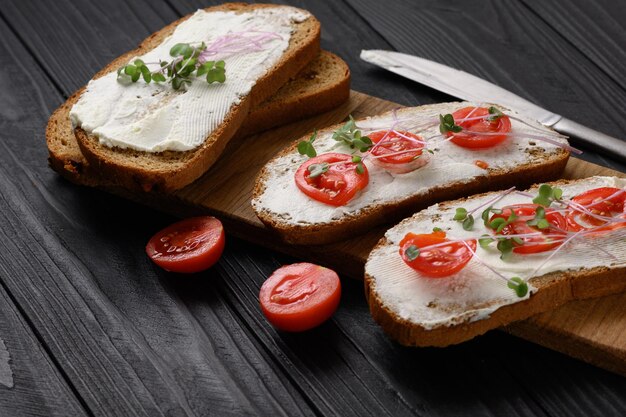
x: 471, y: 88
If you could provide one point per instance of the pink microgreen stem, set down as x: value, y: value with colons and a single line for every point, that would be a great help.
x: 492, y: 201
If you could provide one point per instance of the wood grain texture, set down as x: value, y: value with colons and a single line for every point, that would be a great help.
x: 29, y: 380
x: 135, y: 340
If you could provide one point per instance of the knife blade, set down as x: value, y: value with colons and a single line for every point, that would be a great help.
x: 472, y: 88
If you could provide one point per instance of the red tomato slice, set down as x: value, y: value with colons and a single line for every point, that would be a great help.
x: 338, y: 185
x: 300, y: 296
x: 476, y: 140
x: 437, y: 262
x: 533, y: 244
x: 593, y: 201
x: 405, y: 151
x: 191, y: 245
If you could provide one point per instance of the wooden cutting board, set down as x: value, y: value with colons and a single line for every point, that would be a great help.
x: 591, y: 330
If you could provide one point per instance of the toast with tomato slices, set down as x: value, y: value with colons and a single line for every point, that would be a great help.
x: 371, y: 181
x: 436, y: 280
x: 321, y: 86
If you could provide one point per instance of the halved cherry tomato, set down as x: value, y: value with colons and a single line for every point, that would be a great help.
x: 533, y: 244
x: 405, y: 150
x: 592, y: 200
x: 437, y: 262
x: 479, y: 125
x: 338, y: 185
x: 300, y: 296
x: 191, y: 245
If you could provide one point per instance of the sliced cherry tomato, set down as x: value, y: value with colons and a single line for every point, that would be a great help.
x: 597, y: 201
x: 533, y: 244
x: 482, y: 132
x: 436, y: 262
x: 338, y: 185
x: 191, y: 245
x: 405, y: 150
x: 300, y: 296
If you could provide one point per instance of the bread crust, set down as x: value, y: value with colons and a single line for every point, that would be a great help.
x: 302, y: 97
x: 318, y: 234
x: 168, y: 171
x: 553, y: 290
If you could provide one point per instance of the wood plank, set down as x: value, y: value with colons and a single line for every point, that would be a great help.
x: 30, y: 383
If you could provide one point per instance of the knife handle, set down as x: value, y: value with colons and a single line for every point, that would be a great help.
x: 592, y: 139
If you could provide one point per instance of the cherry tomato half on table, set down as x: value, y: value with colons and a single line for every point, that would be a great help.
x: 191, y: 245
x: 405, y: 150
x: 540, y: 242
x: 300, y: 296
x: 338, y: 185
x: 603, y: 201
x: 483, y: 133
x: 438, y: 262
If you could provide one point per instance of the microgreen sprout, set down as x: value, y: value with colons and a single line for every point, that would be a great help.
x: 315, y: 170
x: 461, y: 215
x: 539, y: 221
x: 495, y: 114
x: 305, y: 147
x: 179, y: 71
x: 447, y: 124
x: 546, y: 195
x: 519, y: 286
x: 351, y: 136
x: 412, y: 252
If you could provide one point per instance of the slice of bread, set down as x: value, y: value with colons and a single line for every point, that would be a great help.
x: 420, y: 311
x: 170, y: 170
x: 321, y: 86
x: 451, y: 173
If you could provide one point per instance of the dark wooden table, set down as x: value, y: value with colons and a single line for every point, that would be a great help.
x: 88, y: 326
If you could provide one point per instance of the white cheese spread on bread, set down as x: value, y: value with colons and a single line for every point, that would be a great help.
x: 154, y: 117
x: 450, y: 163
x: 475, y: 292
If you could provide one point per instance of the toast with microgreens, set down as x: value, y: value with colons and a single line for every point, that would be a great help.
x: 321, y: 86
x: 460, y: 268
x: 159, y: 116
x: 343, y: 180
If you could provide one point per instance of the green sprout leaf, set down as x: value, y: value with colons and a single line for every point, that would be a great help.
x: 447, y: 124
x: 505, y: 246
x: 437, y: 229
x: 359, y: 168
x: 485, y: 240
x: 352, y: 137
x: 179, y: 72
x: 460, y: 214
x: 412, y: 252
x: 519, y: 286
x: 305, y: 147
x: 468, y: 223
x: 315, y: 170
x: 495, y: 114
x: 546, y: 195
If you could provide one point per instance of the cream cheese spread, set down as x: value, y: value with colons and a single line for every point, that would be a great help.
x: 154, y: 117
x: 475, y: 292
x: 450, y: 163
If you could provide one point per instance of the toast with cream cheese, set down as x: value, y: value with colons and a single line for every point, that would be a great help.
x: 149, y: 136
x: 417, y: 310
x: 451, y: 172
x: 321, y: 86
